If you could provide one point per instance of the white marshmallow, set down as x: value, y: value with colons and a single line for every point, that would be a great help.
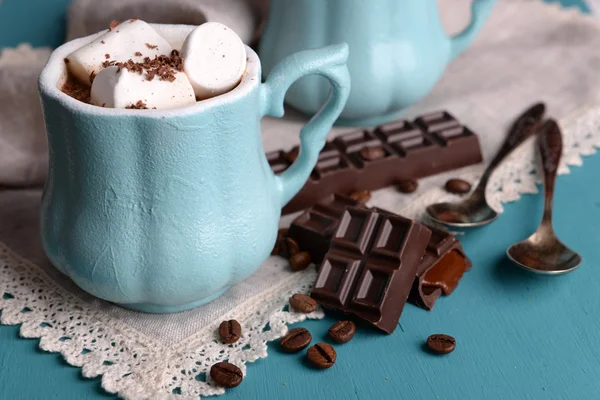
x: 214, y: 59
x: 119, y: 89
x: 121, y: 44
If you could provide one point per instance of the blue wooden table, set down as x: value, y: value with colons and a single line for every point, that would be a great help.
x: 519, y: 336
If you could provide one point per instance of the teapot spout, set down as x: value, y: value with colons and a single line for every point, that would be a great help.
x: 480, y: 11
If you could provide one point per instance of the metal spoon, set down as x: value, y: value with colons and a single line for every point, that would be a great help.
x: 542, y: 252
x: 474, y: 210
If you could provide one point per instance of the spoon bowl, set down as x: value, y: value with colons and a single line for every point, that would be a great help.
x: 543, y: 252
x: 474, y: 210
x: 464, y: 214
x: 544, y: 255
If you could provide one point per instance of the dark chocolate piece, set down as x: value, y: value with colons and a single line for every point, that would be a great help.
x: 314, y: 229
x: 440, y: 269
x: 371, y: 266
x: 370, y: 160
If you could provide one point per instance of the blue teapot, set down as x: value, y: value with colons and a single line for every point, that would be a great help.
x: 398, y: 50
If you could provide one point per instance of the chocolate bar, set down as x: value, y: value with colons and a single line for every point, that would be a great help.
x: 313, y: 229
x: 440, y: 270
x: 371, y: 265
x: 373, y: 159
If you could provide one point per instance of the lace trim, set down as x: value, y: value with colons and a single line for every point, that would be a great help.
x: 131, y: 364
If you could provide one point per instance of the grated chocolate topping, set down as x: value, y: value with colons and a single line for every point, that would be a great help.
x: 113, y: 25
x: 162, y: 66
x: 76, y: 90
x: 140, y: 105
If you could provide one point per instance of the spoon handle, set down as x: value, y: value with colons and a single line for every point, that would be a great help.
x: 523, y: 127
x: 550, y: 146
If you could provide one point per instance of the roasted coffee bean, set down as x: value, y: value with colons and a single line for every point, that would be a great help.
x: 291, y: 155
x: 441, y: 344
x: 292, y: 247
x: 321, y: 355
x: 295, y: 340
x: 230, y: 331
x: 407, y: 186
x: 303, y: 303
x: 362, y: 196
x: 372, y: 153
x: 452, y: 216
x: 458, y: 186
x: 226, y: 374
x: 342, y: 332
x: 276, y: 249
x: 300, y: 261
x: 280, y: 247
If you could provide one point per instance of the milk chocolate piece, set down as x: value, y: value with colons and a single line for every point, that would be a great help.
x: 371, y: 265
x: 314, y: 229
x: 433, y: 143
x: 440, y: 269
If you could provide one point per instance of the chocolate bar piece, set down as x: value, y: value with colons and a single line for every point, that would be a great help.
x: 313, y: 229
x: 371, y: 266
x: 440, y: 269
x: 433, y: 143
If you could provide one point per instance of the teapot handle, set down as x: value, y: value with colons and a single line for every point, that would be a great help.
x: 480, y: 10
x: 329, y: 62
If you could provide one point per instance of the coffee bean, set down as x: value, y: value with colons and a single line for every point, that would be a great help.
x: 452, y: 216
x: 342, y: 332
x: 280, y: 247
x: 226, y: 374
x: 292, y: 247
x: 362, y: 197
x: 441, y: 344
x: 372, y: 153
x: 407, y: 186
x: 295, y: 340
x: 230, y: 331
x: 302, y: 303
x: 458, y: 186
x: 300, y: 261
x: 321, y: 355
x: 291, y: 155
x: 276, y: 249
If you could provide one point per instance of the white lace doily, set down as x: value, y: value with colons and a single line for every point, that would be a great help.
x: 527, y: 52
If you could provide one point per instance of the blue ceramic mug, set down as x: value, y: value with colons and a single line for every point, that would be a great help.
x: 398, y: 50
x: 163, y: 210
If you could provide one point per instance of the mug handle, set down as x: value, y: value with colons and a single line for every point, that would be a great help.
x: 480, y: 10
x: 329, y: 62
